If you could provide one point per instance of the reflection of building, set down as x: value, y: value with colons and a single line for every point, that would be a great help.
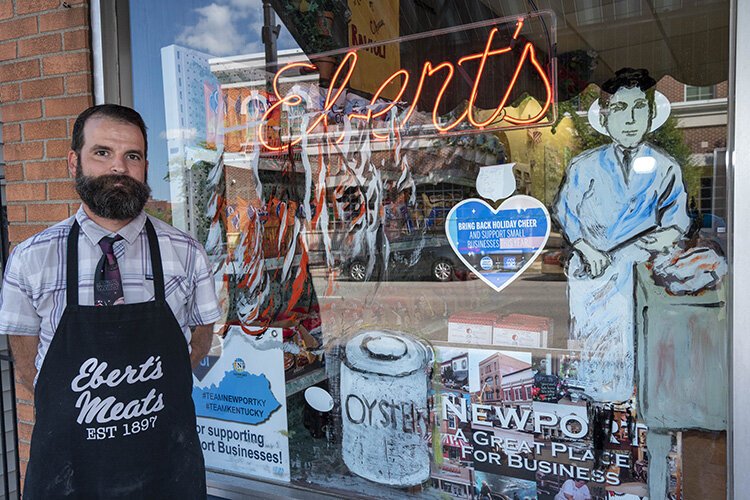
x: 190, y: 92
x: 701, y: 114
x: 491, y: 373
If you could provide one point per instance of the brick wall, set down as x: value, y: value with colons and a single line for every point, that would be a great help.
x: 45, y: 81
x: 671, y: 88
x: 705, y: 139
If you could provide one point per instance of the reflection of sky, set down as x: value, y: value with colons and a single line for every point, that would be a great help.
x: 220, y: 28
x: 475, y: 357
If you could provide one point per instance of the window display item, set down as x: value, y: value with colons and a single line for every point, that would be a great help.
x: 498, y: 245
x: 384, y: 385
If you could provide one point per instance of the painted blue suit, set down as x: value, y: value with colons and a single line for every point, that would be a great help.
x: 609, y: 206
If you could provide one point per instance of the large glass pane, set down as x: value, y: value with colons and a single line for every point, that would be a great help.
x: 462, y: 251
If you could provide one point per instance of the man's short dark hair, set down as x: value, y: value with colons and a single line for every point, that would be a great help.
x: 628, y: 78
x: 113, y: 112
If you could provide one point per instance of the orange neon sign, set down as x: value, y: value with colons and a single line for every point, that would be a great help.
x: 343, y: 74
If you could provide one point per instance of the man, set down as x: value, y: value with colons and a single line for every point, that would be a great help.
x: 99, y: 309
x: 617, y: 205
x: 574, y: 490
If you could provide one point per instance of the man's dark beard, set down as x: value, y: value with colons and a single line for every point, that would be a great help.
x: 107, y: 200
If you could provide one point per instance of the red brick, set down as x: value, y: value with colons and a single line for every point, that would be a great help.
x: 78, y: 84
x: 66, y: 106
x: 46, y: 44
x: 17, y: 71
x: 45, y: 87
x: 39, y: 170
x: 62, y: 19
x: 28, y: 6
x: 17, y: 213
x: 45, y: 129
x: 7, y: 51
x: 24, y: 151
x: 24, y: 192
x: 10, y: 92
x: 21, y: 111
x: 6, y: 9
x: 13, y: 172
x: 58, y: 148
x: 62, y: 191
x: 24, y: 431
x: 24, y: 448
x: 74, y: 40
x: 16, y: 28
x: 66, y: 63
x: 48, y: 212
x: 11, y: 132
x: 23, y: 394
x: 73, y: 208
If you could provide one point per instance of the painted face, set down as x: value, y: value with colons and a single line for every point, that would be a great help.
x: 627, y: 117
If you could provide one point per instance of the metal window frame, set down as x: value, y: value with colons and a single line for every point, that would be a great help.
x: 110, y: 35
x: 110, y: 25
x: 738, y: 436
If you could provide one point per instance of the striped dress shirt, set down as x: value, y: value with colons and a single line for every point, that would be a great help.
x: 33, y: 293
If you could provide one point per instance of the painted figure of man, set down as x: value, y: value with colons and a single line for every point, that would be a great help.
x: 618, y: 204
x: 105, y: 312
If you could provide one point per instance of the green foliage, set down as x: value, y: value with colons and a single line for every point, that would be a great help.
x: 306, y: 19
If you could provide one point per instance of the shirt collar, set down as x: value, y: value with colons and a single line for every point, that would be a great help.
x: 634, y: 152
x: 94, y: 232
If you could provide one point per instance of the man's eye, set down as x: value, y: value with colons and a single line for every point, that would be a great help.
x: 617, y: 107
x: 134, y: 157
x: 100, y: 153
x: 640, y: 105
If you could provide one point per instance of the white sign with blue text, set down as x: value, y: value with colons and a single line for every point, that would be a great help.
x: 241, y: 408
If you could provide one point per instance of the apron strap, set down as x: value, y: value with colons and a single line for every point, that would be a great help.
x: 156, y: 267
x: 71, y: 281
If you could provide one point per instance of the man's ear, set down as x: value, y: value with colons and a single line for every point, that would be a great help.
x: 72, y: 163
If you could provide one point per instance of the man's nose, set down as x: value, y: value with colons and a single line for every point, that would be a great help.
x: 119, y: 166
x: 632, y: 117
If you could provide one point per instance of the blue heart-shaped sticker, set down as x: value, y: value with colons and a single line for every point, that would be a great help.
x: 498, y: 245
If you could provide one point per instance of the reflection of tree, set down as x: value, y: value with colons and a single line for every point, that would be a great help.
x: 198, y: 178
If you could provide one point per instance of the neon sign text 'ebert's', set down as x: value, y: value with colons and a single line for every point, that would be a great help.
x: 337, y: 87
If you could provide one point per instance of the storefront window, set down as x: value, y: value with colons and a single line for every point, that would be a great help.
x: 460, y: 250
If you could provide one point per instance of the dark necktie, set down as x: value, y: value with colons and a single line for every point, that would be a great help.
x: 107, y: 280
x: 627, y: 155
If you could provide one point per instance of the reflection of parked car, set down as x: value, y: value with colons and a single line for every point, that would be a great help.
x: 555, y: 255
x: 414, y: 256
x: 553, y: 261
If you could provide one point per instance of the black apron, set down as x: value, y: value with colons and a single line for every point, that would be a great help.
x: 114, y: 409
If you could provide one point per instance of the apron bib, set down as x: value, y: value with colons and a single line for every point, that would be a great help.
x: 114, y: 409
